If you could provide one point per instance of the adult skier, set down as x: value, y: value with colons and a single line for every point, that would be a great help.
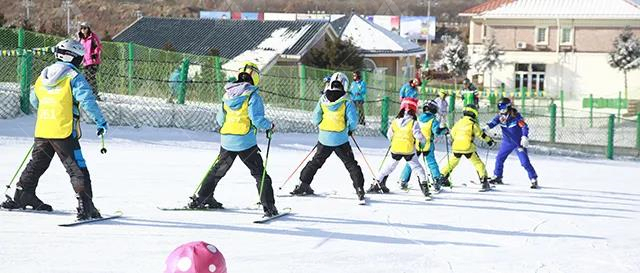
x: 403, y: 133
x: 410, y: 89
x: 469, y: 93
x: 358, y: 92
x: 515, y: 136
x: 240, y: 116
x: 58, y: 92
x: 337, y: 119
x: 463, y: 133
x: 430, y: 127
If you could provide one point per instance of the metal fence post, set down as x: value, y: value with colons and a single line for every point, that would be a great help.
x: 591, y: 110
x: 130, y: 69
x: 452, y: 108
x: 217, y: 65
x: 384, y: 116
x: 612, y: 120
x: 552, y: 127
x: 19, y: 51
x: 524, y: 96
x: 302, y: 71
x: 184, y: 73
x: 25, y: 82
x: 562, y: 107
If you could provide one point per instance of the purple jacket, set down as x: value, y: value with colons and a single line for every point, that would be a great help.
x: 92, y: 49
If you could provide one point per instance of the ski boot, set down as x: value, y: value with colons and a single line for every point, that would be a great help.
x: 534, y: 183
x: 23, y: 198
x: 485, y: 184
x: 496, y: 180
x: 378, y: 187
x: 269, y: 210
x: 437, y: 184
x: 444, y: 181
x: 207, y: 203
x: 86, y: 209
x: 302, y: 189
x: 404, y: 185
x: 360, y: 193
x: 424, y: 186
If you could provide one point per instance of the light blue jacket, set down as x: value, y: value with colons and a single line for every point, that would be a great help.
x: 358, y: 90
x: 80, y: 89
x: 334, y: 139
x: 406, y: 91
x: 235, y: 95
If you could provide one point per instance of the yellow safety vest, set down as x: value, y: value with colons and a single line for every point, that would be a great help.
x: 236, y: 122
x: 403, y: 140
x: 462, y: 135
x: 425, y: 128
x: 55, y: 109
x: 333, y: 121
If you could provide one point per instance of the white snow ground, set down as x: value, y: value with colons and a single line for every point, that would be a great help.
x: 585, y: 219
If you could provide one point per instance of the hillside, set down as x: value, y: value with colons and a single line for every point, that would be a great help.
x: 114, y: 15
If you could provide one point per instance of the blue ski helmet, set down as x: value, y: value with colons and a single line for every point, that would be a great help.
x: 504, y: 105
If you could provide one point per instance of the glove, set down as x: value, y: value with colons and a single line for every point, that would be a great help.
x: 491, y: 143
x: 445, y: 131
x: 524, y: 142
x: 350, y: 133
x: 94, y: 56
x: 102, y: 129
x: 270, y: 131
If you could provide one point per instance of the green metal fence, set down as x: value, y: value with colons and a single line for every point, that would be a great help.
x: 143, y: 86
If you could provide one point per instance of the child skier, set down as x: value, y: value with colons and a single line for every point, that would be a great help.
x: 463, y: 134
x: 57, y: 93
x: 336, y: 118
x: 430, y: 126
x: 515, y: 136
x: 240, y: 115
x: 410, y: 89
x: 403, y: 133
x: 443, y: 106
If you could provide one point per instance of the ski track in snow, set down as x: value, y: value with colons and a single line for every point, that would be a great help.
x: 572, y: 224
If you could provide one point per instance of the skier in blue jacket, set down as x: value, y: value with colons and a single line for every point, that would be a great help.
x: 410, y: 89
x: 515, y: 136
x: 358, y: 92
x: 240, y: 116
x: 337, y: 119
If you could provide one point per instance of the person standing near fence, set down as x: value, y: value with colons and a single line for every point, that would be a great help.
x: 469, y: 93
x: 92, y: 55
x: 515, y: 136
x: 443, y: 106
x: 240, y: 116
x: 58, y: 92
x: 337, y: 119
x: 463, y: 133
x: 410, y: 90
x: 358, y: 92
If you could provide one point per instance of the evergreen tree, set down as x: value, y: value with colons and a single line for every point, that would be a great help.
x: 336, y: 55
x: 626, y: 54
x: 455, y: 59
x: 490, y: 59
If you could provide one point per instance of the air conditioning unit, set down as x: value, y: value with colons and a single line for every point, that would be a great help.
x: 521, y: 45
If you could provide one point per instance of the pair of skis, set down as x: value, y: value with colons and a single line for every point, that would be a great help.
x: 362, y: 202
x: 264, y: 219
x: 116, y: 215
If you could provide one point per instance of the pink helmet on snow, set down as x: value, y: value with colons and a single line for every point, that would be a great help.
x: 196, y: 257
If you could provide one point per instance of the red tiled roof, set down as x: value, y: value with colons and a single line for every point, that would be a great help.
x: 486, y: 6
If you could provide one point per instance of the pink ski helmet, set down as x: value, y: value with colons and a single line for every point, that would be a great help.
x: 196, y: 257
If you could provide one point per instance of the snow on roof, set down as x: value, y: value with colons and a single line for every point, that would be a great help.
x: 372, y: 38
x: 565, y: 9
x: 267, y: 52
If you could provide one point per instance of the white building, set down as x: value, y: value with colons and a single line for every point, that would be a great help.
x: 553, y: 45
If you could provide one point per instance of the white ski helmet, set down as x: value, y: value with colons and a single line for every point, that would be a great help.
x: 69, y: 51
x: 338, y: 82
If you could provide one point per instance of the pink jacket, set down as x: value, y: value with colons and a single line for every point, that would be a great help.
x: 92, y: 49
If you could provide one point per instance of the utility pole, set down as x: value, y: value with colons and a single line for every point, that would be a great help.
x: 27, y: 4
x: 66, y: 5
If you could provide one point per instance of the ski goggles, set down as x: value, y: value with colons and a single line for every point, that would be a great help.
x: 503, y: 107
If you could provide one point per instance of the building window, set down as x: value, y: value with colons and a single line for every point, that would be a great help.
x: 542, y: 36
x: 566, y: 36
x: 530, y: 77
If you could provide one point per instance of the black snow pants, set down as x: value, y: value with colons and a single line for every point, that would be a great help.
x: 252, y: 159
x: 68, y: 150
x: 344, y: 152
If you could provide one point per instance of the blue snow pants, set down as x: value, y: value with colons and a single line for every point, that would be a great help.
x: 430, y: 160
x: 505, y: 149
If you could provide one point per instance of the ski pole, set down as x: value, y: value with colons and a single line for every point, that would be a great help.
x: 205, y: 174
x: 384, y: 158
x: 296, y: 169
x: 363, y: 157
x: 103, y: 150
x: 264, y: 169
x: 18, y: 170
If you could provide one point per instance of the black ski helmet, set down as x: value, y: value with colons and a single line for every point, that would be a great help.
x: 430, y: 106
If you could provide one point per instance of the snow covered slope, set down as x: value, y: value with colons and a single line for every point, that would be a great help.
x: 585, y: 219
